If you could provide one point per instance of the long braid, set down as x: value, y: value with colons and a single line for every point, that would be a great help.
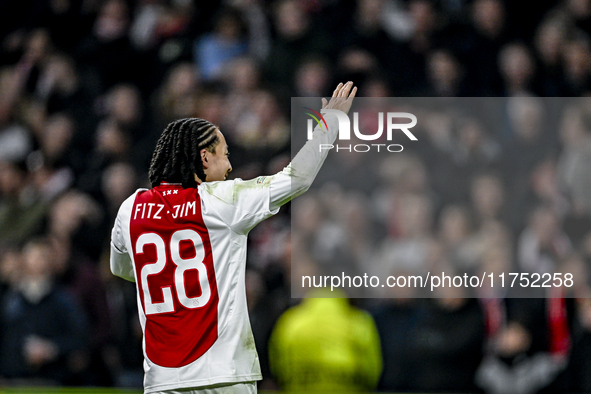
x: 177, y: 154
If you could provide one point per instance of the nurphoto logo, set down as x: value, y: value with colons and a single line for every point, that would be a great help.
x: 345, y: 130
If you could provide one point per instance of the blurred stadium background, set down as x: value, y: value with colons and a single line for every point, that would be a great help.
x: 86, y: 87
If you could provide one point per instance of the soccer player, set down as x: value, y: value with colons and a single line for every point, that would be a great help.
x: 184, y: 243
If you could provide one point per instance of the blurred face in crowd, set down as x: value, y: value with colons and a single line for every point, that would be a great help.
x: 244, y: 75
x: 118, y: 182
x: 454, y: 224
x: 516, y: 65
x: 228, y: 26
x: 488, y: 17
x: 526, y: 117
x: 444, y: 70
x: 36, y: 260
x: 182, y: 80
x: 572, y: 130
x: 577, y: 60
x: 545, y: 224
x: 125, y: 104
x: 38, y: 45
x: 415, y: 216
x: 290, y: 20
x: 69, y: 212
x: 11, y: 179
x: 423, y: 15
x: 312, y: 78
x: 369, y: 13
x: 487, y: 195
x: 497, y: 259
x: 308, y: 214
x: 470, y: 134
x: 580, y: 9
x: 544, y: 180
x: 549, y: 40
x: 56, y: 137
x: 111, y: 139
x: 112, y: 21
x: 10, y: 263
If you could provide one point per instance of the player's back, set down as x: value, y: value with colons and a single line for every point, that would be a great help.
x: 188, y: 262
x: 176, y: 278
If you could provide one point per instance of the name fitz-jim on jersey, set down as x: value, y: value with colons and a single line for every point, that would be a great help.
x: 186, y: 250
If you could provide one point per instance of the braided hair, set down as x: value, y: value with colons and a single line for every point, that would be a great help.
x: 177, y: 155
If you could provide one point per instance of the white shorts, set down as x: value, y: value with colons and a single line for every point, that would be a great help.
x: 222, y: 388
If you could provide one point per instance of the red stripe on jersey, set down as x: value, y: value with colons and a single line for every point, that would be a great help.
x: 175, y: 275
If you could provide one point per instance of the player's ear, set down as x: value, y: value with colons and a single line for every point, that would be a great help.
x: 204, y: 160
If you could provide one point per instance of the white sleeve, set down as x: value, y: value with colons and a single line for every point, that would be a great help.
x: 120, y: 260
x: 243, y: 204
x: 298, y: 176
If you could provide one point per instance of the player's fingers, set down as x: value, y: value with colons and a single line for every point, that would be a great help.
x: 324, y: 103
x: 342, y: 90
x: 349, y: 88
x: 353, y: 92
x: 337, y: 90
x: 345, y: 90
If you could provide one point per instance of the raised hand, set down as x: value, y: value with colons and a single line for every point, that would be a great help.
x: 342, y: 97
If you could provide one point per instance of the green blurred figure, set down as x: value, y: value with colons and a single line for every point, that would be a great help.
x: 325, y: 344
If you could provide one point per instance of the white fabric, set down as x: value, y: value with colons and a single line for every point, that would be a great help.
x: 238, y: 388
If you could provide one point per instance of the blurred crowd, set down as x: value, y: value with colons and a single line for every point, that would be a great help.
x: 492, y: 186
x: 87, y: 86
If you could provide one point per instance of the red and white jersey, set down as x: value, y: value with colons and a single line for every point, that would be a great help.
x: 186, y: 250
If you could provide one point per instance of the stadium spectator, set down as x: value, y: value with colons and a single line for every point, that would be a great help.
x: 489, y: 22
x: 325, y: 344
x: 449, y: 342
x: 227, y: 41
x: 52, y: 166
x: 311, y: 77
x: 242, y: 80
x: 21, y: 212
x: 576, y: 153
x: 528, y: 347
x: 178, y: 94
x: 517, y: 70
x: 397, y: 321
x: 577, y: 64
x: 296, y: 37
x: 44, y: 332
x: 487, y: 195
x: 548, y: 41
x: 444, y: 74
x: 542, y: 244
x: 107, y: 52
